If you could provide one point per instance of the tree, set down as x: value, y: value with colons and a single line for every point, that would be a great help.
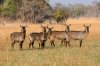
x: 8, y: 8
x: 34, y: 9
x: 26, y: 10
x: 60, y: 13
x: 1, y: 2
x: 78, y: 10
x: 97, y: 5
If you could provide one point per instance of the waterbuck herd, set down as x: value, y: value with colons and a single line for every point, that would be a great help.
x: 48, y: 34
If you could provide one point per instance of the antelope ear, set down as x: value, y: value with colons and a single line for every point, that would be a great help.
x: 20, y: 25
x: 41, y: 26
x: 26, y: 26
x: 69, y: 24
x: 52, y: 28
x: 47, y: 26
x: 90, y: 25
x: 84, y: 25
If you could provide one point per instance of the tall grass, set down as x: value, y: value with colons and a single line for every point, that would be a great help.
x: 88, y: 55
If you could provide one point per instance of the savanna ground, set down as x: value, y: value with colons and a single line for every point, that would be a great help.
x: 87, y: 55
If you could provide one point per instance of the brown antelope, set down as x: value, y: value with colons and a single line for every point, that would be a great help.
x: 66, y: 30
x: 18, y: 37
x: 59, y: 35
x: 37, y: 36
x: 78, y: 35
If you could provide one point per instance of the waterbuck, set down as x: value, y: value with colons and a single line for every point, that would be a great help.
x: 67, y: 28
x: 18, y: 37
x: 78, y: 35
x: 40, y: 37
x: 59, y: 35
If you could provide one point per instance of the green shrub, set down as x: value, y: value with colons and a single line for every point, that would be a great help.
x: 9, y: 8
x: 60, y: 15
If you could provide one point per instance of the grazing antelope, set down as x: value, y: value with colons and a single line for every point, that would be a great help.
x: 40, y: 37
x: 78, y: 35
x: 18, y: 37
x: 60, y: 35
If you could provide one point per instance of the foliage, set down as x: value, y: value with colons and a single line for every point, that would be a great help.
x: 97, y: 6
x: 38, y: 11
x: 57, y: 14
x: 60, y: 13
x: 27, y: 10
x: 33, y: 10
x: 77, y: 10
x: 1, y: 2
x: 8, y: 8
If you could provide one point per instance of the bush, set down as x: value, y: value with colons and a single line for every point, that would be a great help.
x: 9, y: 8
x: 60, y: 15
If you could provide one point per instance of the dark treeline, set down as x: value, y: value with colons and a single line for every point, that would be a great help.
x: 37, y: 11
x: 1, y: 1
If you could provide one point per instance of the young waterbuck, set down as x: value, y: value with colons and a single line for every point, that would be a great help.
x: 78, y: 35
x: 40, y: 37
x: 18, y: 37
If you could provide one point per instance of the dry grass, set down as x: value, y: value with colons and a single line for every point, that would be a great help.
x: 88, y: 55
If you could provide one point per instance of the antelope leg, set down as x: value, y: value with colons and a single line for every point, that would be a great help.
x: 80, y: 43
x: 13, y: 45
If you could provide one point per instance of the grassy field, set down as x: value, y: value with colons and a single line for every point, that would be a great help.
x: 88, y: 55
